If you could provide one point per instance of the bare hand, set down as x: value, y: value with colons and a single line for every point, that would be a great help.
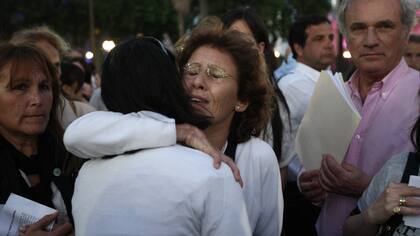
x: 382, y: 209
x: 195, y: 138
x: 38, y: 228
x: 311, y: 189
x: 344, y: 179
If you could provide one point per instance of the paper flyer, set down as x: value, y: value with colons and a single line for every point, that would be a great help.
x: 21, y: 211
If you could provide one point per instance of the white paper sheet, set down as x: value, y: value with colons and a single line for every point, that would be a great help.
x: 21, y: 211
x: 413, y: 221
x: 328, y: 124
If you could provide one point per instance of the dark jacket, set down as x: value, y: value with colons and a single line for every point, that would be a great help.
x: 48, y: 164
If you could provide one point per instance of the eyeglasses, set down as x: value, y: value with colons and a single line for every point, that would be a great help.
x: 213, y: 72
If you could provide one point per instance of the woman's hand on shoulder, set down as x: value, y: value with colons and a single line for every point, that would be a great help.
x: 195, y: 138
x: 38, y: 228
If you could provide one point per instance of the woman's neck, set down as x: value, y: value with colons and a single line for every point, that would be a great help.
x: 217, y: 135
x: 27, y: 145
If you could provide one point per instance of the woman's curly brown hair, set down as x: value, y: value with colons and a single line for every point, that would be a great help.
x: 253, y: 85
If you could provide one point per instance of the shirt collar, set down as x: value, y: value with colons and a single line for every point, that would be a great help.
x: 307, y: 71
x: 386, y: 84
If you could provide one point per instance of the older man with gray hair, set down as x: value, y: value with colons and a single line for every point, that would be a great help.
x: 384, y: 90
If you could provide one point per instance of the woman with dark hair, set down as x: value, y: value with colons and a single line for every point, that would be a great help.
x: 388, y: 197
x: 161, y: 191
x: 34, y: 163
x: 225, y: 78
x: 277, y: 133
x: 72, y: 79
x: 87, y: 87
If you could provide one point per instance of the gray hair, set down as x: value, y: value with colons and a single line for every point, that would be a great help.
x: 35, y: 34
x: 408, y: 14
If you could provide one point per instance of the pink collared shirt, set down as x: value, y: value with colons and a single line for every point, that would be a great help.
x: 388, y: 114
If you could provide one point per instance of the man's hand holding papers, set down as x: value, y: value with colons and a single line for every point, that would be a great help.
x: 310, y: 186
x: 328, y: 127
x: 343, y: 179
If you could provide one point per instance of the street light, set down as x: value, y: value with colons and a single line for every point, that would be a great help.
x: 89, y: 55
x: 108, y: 45
x: 346, y: 54
x: 276, y: 53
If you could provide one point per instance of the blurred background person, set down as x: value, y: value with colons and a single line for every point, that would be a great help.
x: 87, y: 87
x: 412, y: 53
x: 311, y: 41
x: 72, y: 79
x: 287, y: 65
x: 96, y: 99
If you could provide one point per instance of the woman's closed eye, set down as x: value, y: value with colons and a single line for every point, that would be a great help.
x: 217, y: 73
x: 192, y: 68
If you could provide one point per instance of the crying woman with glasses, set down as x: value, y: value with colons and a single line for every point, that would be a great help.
x: 224, y: 75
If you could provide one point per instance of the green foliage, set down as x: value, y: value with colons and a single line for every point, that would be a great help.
x: 70, y: 18
x: 270, y: 10
x: 124, y: 18
x: 129, y: 17
x: 277, y: 14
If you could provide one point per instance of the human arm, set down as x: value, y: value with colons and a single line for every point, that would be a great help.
x: 359, y: 225
x: 38, y: 228
x: 367, y: 222
x: 297, y: 95
x: 343, y: 179
x: 103, y: 133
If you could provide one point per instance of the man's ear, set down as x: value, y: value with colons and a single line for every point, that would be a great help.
x: 298, y: 50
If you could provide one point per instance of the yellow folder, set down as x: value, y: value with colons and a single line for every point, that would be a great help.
x: 328, y: 124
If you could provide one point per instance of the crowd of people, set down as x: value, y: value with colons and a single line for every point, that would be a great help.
x: 200, y: 141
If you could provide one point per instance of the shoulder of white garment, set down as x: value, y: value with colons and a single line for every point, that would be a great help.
x: 258, y: 150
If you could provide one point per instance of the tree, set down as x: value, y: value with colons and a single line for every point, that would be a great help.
x: 183, y: 8
x: 70, y: 18
x: 125, y: 18
x: 277, y: 14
